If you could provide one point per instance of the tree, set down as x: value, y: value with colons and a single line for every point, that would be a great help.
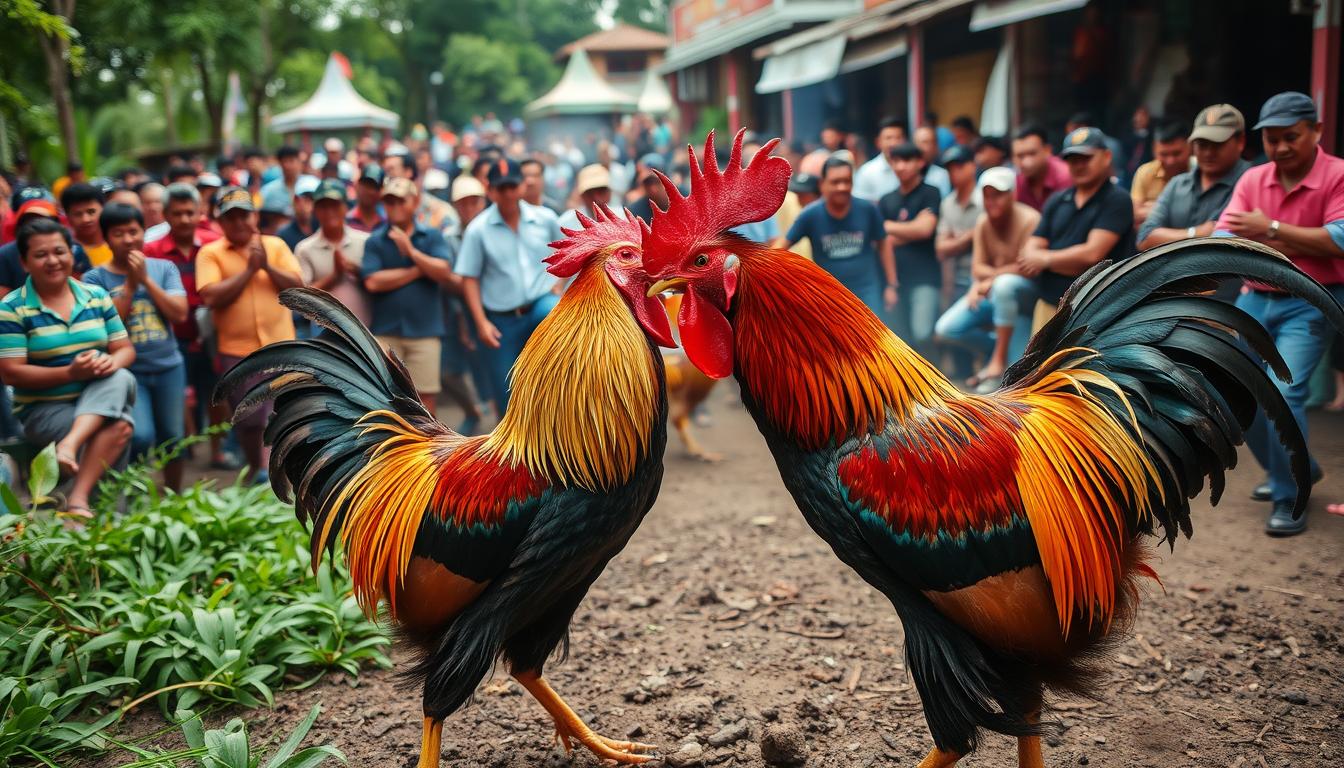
x: 51, y: 27
x: 650, y: 14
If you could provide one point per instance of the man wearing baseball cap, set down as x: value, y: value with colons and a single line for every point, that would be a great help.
x: 405, y: 262
x: 1082, y: 225
x: 240, y: 277
x: 331, y: 258
x: 368, y: 213
x: 994, y: 316
x: 504, y: 280
x: 1192, y: 202
x: 36, y: 203
x: 1295, y: 204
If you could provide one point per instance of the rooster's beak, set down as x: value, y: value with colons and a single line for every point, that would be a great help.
x: 670, y: 284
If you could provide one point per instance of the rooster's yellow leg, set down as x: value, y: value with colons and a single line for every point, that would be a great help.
x: 569, y: 725
x: 937, y: 758
x: 1029, y: 747
x: 429, y: 744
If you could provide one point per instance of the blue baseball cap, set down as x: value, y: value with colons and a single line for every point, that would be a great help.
x: 1288, y: 108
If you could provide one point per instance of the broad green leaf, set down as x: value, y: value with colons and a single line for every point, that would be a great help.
x: 43, y: 473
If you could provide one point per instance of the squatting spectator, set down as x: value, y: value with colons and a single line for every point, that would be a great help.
x: 240, y: 277
x: 505, y: 283
x: 994, y: 316
x: 847, y: 239
x: 1171, y: 152
x: 12, y: 274
x: 149, y: 298
x: 71, y: 386
x: 332, y: 257
x: 957, y: 215
x: 404, y: 264
x: 1294, y: 203
x: 910, y: 219
x: 83, y: 204
x: 1090, y: 221
x: 1039, y: 173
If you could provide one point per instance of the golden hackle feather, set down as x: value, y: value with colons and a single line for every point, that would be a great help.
x: 587, y: 392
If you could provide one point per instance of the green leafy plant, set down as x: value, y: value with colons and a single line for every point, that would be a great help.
x: 201, y: 598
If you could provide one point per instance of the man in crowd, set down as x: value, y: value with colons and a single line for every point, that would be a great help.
x: 468, y: 200
x: 1294, y: 203
x: 845, y: 233
x: 534, y: 185
x: 334, y: 150
x: 593, y: 186
x: 957, y: 215
x: 254, y: 166
x: 990, y: 152
x: 301, y: 225
x: 507, y: 288
x: 430, y: 212
x: 654, y: 193
x: 404, y: 264
x: 1039, y: 173
x: 1000, y: 299
x: 1191, y: 203
x: 963, y: 131
x: 803, y: 191
x: 910, y: 219
x: 1171, y: 158
x: 461, y: 354
x: 1086, y: 223
x: 331, y: 258
x: 875, y: 178
x: 240, y: 277
x: 186, y: 235
x: 151, y: 206
x: 926, y: 139
x: 35, y: 205
x: 291, y: 165
x: 83, y: 204
x: 368, y: 215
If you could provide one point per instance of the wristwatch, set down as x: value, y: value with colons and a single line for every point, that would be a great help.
x: 1273, y: 233
x: 1189, y: 231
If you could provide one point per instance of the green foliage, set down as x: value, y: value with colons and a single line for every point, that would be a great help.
x: 200, y: 598
x: 229, y: 747
x: 490, y: 75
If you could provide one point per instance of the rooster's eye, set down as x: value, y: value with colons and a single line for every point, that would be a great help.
x: 701, y: 260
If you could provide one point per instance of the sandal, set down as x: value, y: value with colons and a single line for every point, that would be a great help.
x: 75, y: 517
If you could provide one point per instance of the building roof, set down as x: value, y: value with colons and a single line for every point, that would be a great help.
x: 581, y: 91
x: 334, y: 106
x: 654, y: 97
x: 622, y: 37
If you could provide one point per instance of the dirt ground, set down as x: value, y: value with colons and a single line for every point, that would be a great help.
x: 726, y: 617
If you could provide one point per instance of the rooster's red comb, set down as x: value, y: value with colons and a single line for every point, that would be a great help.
x: 597, y: 233
x: 719, y: 201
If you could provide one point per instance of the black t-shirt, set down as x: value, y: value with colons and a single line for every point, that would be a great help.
x: 916, y: 262
x: 1064, y: 224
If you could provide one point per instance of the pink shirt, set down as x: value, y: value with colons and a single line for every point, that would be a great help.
x: 1316, y: 201
x: 1056, y: 178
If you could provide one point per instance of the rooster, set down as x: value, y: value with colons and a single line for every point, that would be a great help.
x: 1008, y: 530
x: 482, y: 547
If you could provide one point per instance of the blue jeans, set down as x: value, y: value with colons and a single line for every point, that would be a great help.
x: 1010, y: 303
x: 915, y: 314
x: 514, y: 331
x: 160, y: 408
x: 1299, y: 332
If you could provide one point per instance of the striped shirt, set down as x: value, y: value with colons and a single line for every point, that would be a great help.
x: 30, y: 331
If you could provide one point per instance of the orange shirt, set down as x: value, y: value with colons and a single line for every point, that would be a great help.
x: 256, y: 317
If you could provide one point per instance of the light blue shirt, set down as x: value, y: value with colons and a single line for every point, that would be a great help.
x: 509, y: 264
x: 875, y: 178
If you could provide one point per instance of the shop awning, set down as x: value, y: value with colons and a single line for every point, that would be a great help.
x: 989, y: 14
x: 812, y: 63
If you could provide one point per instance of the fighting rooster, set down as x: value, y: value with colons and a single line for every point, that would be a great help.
x: 482, y: 547
x: 1007, y: 530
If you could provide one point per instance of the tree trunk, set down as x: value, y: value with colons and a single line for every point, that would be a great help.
x: 264, y: 72
x: 55, y: 52
x: 214, y: 103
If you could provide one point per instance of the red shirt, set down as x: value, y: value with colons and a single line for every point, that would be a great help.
x: 1056, y: 178
x: 1316, y: 201
x: 166, y: 248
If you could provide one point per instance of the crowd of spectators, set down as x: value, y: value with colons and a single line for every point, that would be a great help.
x: 124, y: 300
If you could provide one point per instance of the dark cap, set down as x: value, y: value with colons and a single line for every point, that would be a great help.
x: 504, y: 172
x: 1084, y: 141
x: 234, y: 199
x: 330, y: 189
x: 372, y: 173
x: 906, y: 151
x: 1285, y: 109
x: 804, y: 183
x: 957, y: 154
x: 1218, y: 123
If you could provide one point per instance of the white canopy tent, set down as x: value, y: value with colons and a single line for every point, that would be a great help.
x: 334, y: 106
x: 581, y: 91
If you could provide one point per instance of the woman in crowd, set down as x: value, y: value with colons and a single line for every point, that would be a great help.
x: 65, y: 351
x: 149, y: 297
